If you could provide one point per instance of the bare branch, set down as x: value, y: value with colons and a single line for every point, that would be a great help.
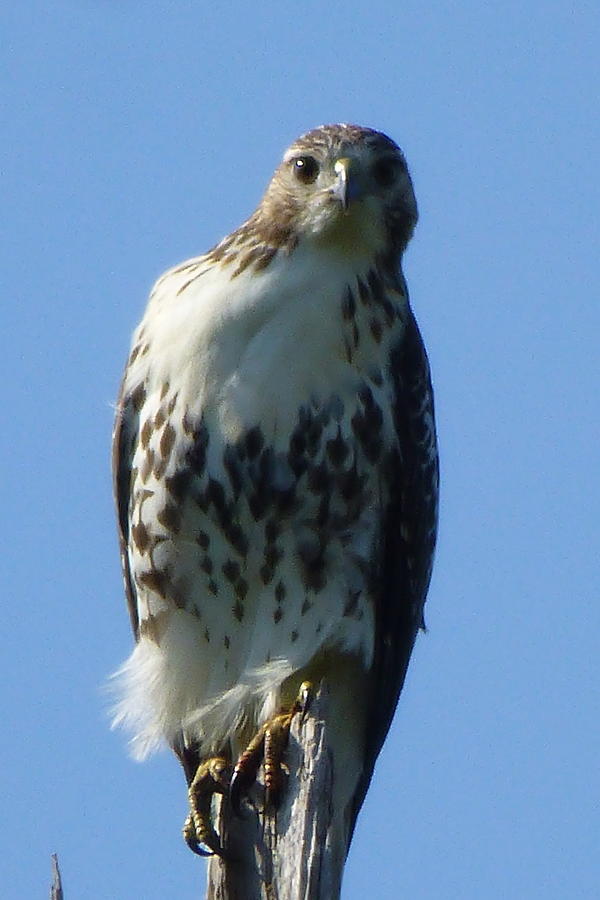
x: 56, y: 891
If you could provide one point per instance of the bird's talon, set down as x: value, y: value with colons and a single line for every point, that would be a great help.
x: 212, y: 777
x: 304, y: 699
x: 236, y: 793
x: 246, y: 770
x: 267, y: 746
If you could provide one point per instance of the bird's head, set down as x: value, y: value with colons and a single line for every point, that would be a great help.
x: 342, y: 185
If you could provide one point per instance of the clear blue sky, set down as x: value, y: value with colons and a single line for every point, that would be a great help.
x: 135, y: 135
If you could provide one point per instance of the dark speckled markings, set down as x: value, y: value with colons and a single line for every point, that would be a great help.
x: 374, y: 313
x: 241, y: 588
x: 206, y: 564
x: 203, y: 540
x: 367, y: 424
x: 238, y: 610
x: 253, y: 442
x: 337, y: 449
x: 363, y: 292
x: 138, y: 398
x: 312, y: 559
x: 156, y: 580
x: 376, y: 329
x: 146, y: 433
x: 170, y: 518
x: 236, y: 537
x: 319, y: 481
x: 348, y: 304
x: 140, y: 536
x: 196, y: 457
x: 178, y: 485
x: 231, y: 571
x: 167, y: 441
x: 147, y: 465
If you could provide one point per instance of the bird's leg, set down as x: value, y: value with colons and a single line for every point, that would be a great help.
x: 267, y: 746
x: 276, y: 738
x: 212, y: 777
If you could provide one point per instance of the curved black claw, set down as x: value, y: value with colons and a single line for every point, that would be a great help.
x: 209, y: 839
x: 246, y: 770
x: 197, y: 848
x: 303, y: 701
x: 207, y: 845
x: 241, y: 782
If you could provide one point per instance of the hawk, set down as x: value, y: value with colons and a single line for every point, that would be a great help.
x: 276, y: 479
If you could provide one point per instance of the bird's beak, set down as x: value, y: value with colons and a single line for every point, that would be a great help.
x: 347, y: 185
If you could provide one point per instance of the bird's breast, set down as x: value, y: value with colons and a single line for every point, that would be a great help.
x: 263, y: 463
x: 251, y: 348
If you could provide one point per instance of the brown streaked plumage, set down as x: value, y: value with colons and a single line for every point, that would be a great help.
x: 276, y: 475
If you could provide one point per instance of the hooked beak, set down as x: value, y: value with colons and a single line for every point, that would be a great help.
x: 347, y: 186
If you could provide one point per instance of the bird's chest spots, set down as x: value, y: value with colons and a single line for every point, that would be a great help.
x: 261, y: 516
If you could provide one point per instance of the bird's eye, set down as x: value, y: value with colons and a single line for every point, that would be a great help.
x: 306, y: 169
x: 385, y: 171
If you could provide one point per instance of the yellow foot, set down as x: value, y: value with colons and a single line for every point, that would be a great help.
x: 212, y: 777
x: 268, y: 747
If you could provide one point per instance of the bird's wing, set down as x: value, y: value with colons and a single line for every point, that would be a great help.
x: 408, y: 536
x: 125, y: 435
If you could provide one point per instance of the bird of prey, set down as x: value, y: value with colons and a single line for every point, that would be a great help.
x: 276, y: 479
